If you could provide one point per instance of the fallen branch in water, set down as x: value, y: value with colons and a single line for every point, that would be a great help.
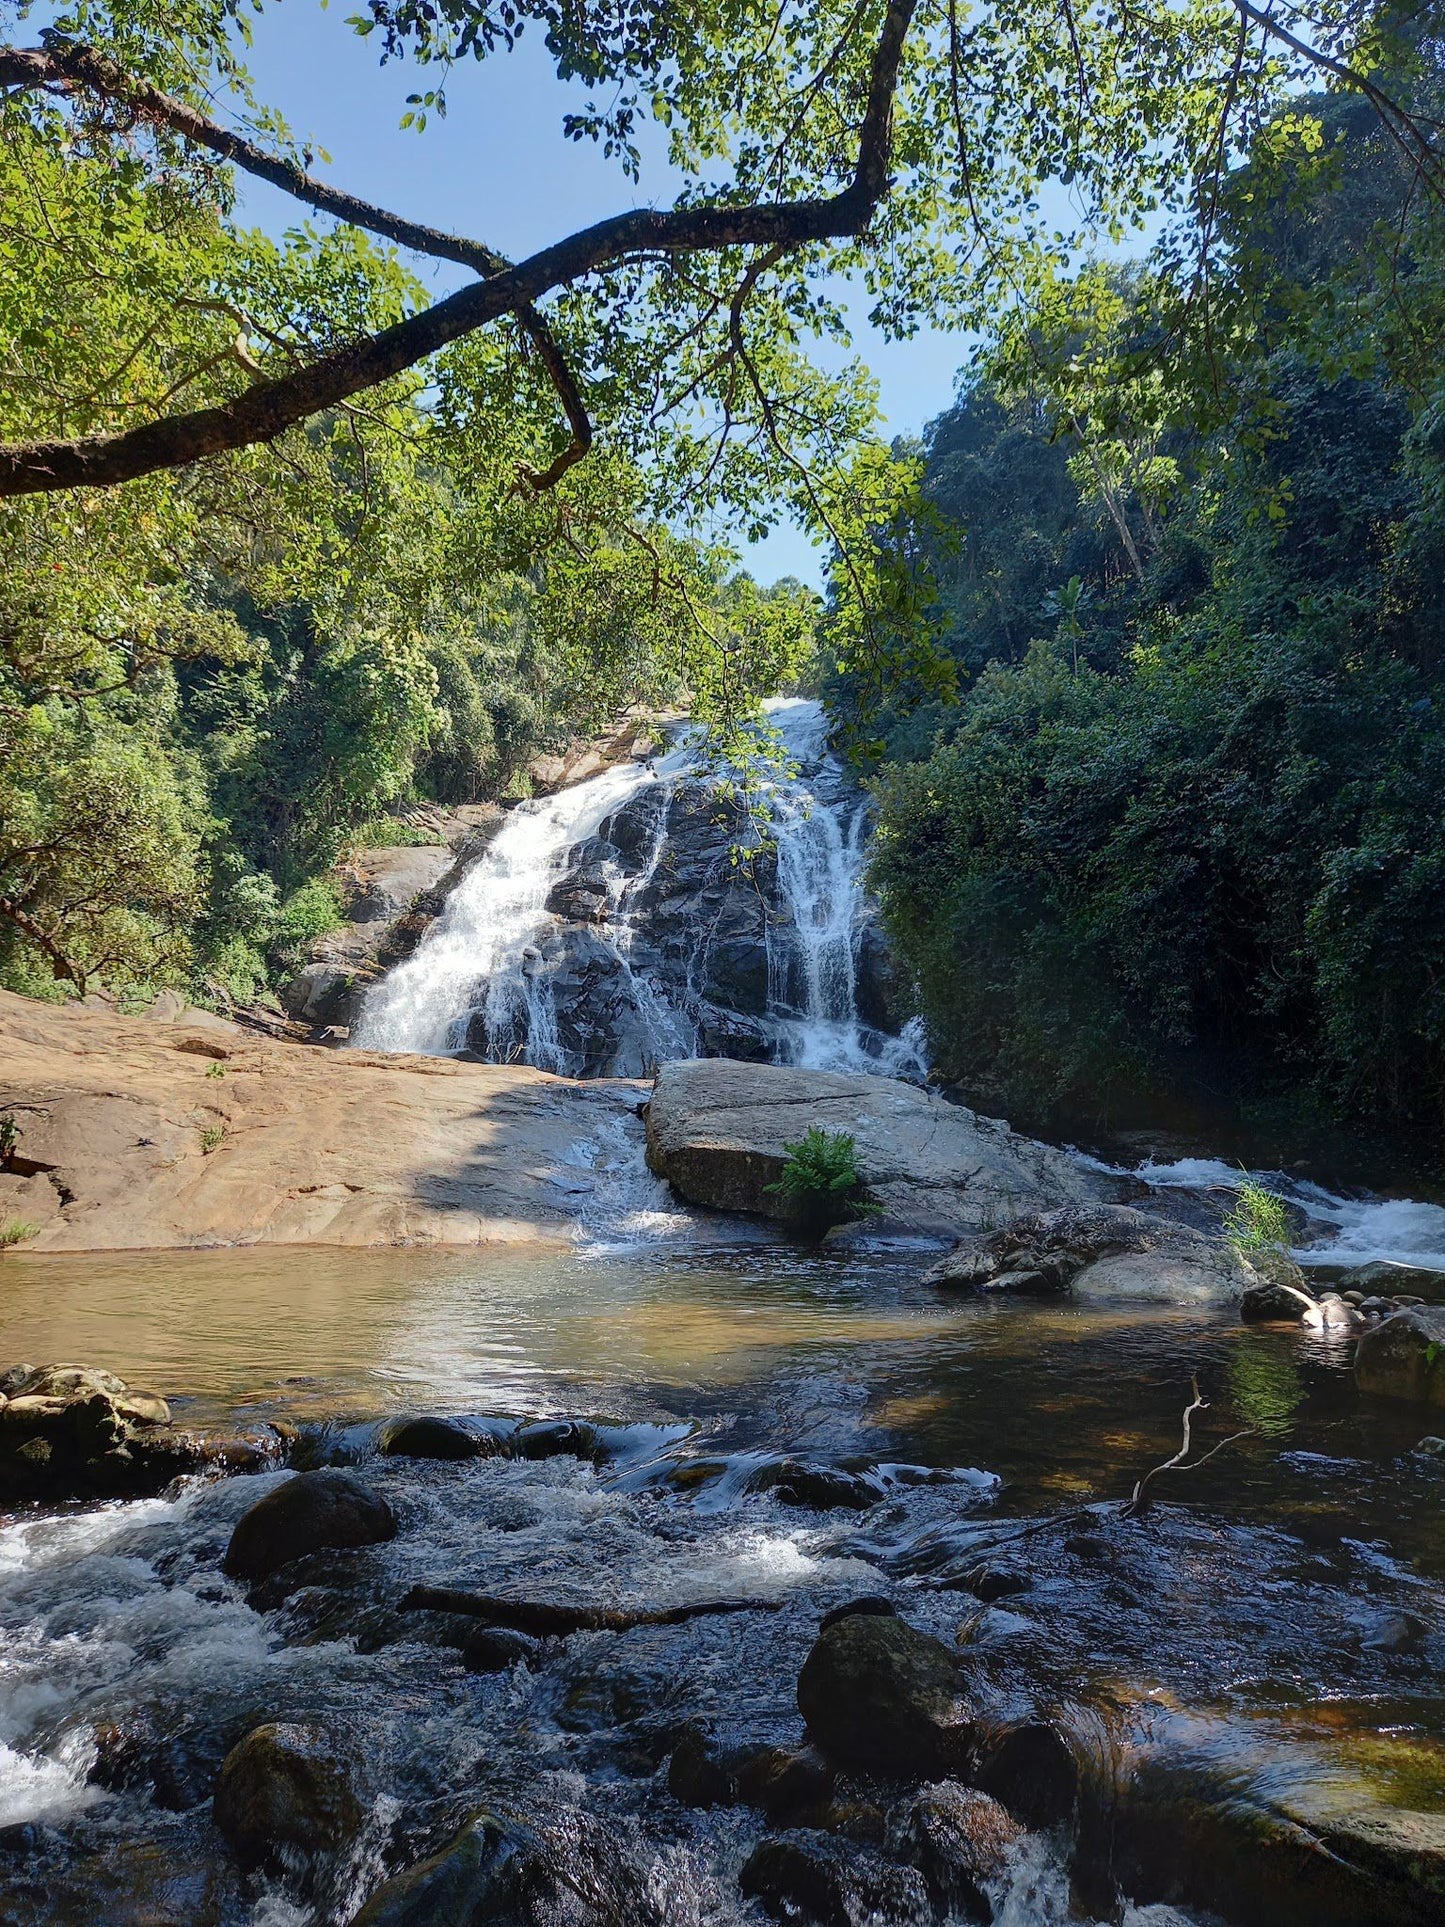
x: 1138, y: 1504
x: 536, y: 1616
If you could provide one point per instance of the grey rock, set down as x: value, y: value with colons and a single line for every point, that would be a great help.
x: 716, y: 1129
x: 1098, y: 1250
x: 486, y: 1874
x: 960, y: 1840
x: 324, y: 1508
x: 1403, y: 1357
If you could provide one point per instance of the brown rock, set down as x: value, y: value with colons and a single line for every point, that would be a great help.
x: 325, y: 1508
x: 881, y: 1696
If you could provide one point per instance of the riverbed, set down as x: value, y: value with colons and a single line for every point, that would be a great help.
x: 1278, y: 1612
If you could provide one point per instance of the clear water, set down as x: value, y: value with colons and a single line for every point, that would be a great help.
x: 1245, y: 1603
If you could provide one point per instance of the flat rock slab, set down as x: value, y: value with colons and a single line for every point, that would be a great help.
x: 128, y: 1139
x: 717, y: 1131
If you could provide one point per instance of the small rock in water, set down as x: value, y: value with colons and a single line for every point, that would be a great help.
x: 557, y: 1438
x: 995, y: 1582
x: 284, y: 1791
x: 1404, y: 1356
x: 324, y: 1508
x: 878, y: 1694
x: 959, y: 1839
x: 488, y: 1872
x: 815, y: 1877
x: 1393, y: 1632
x: 496, y: 1649
x: 433, y: 1438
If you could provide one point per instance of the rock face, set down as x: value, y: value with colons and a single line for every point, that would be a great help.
x: 325, y: 1508
x: 124, y: 1142
x: 882, y: 1697
x: 1098, y: 1251
x: 72, y: 1431
x: 286, y: 1791
x: 716, y: 1129
x: 1404, y: 1356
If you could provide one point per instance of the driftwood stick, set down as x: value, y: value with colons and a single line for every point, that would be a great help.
x: 1138, y: 1503
x: 537, y: 1616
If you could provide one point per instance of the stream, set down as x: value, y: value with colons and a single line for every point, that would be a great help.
x: 793, y: 1427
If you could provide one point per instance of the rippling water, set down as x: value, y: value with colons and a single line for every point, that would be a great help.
x: 1247, y: 1605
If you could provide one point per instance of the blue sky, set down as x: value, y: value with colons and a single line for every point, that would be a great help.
x: 499, y: 169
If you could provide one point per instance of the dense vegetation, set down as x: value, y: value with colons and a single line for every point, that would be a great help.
x: 210, y: 681
x: 1179, y: 823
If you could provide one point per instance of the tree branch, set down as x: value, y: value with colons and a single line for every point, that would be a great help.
x: 263, y: 411
x: 67, y: 65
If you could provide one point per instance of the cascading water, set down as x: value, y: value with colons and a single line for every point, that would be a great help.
x: 598, y: 990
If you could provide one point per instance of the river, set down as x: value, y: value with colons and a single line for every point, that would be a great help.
x: 1272, y: 1632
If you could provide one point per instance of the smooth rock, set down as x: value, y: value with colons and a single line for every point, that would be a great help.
x: 332, y: 1148
x: 1403, y: 1357
x: 1098, y: 1250
x: 314, y: 1509
x: 286, y: 1790
x: 497, y: 1649
x: 433, y: 1438
x: 879, y: 1695
x: 716, y: 1130
x: 486, y: 1874
x: 1031, y: 1768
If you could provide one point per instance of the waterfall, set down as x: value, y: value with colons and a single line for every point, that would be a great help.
x: 596, y: 988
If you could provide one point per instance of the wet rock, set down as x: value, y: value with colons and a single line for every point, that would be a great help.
x: 286, y: 1793
x: 960, y: 1840
x: 822, y: 1488
x: 1031, y: 1768
x: 873, y: 1604
x: 1277, y: 1292
x: 488, y: 1873
x: 433, y: 1438
x: 323, y: 993
x: 1403, y: 1357
x: 496, y: 1649
x: 717, y: 1131
x: 147, y: 1749
x: 1393, y: 1632
x: 73, y: 1431
x: 1188, y: 1836
x: 1098, y: 1250
x: 557, y: 1438
x: 1385, y: 1279
x: 813, y: 1877
x: 780, y: 1780
x: 879, y: 1695
x: 325, y: 1508
x: 995, y: 1582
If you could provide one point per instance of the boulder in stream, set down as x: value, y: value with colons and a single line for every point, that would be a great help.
x: 717, y: 1131
x: 429, y: 1437
x: 76, y: 1432
x: 1404, y: 1356
x: 487, y: 1872
x: 960, y: 1840
x: 324, y: 1508
x: 1098, y: 1250
x: 880, y: 1696
x: 287, y: 1793
x: 813, y: 1877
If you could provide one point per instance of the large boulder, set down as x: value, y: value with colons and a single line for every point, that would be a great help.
x: 717, y: 1131
x: 74, y: 1431
x: 286, y: 1793
x: 882, y: 1697
x: 1404, y: 1356
x: 1098, y: 1251
x: 329, y: 1507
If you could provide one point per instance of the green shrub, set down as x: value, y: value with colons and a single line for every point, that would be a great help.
x: 820, y: 1179
x: 1259, y: 1220
x: 213, y: 1136
x: 392, y: 833
x: 308, y: 913
x: 14, y: 1231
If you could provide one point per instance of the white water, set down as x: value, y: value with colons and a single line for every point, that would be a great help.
x: 1342, y: 1230
x: 479, y: 958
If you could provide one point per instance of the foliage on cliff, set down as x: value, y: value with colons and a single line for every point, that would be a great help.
x: 1187, y: 821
